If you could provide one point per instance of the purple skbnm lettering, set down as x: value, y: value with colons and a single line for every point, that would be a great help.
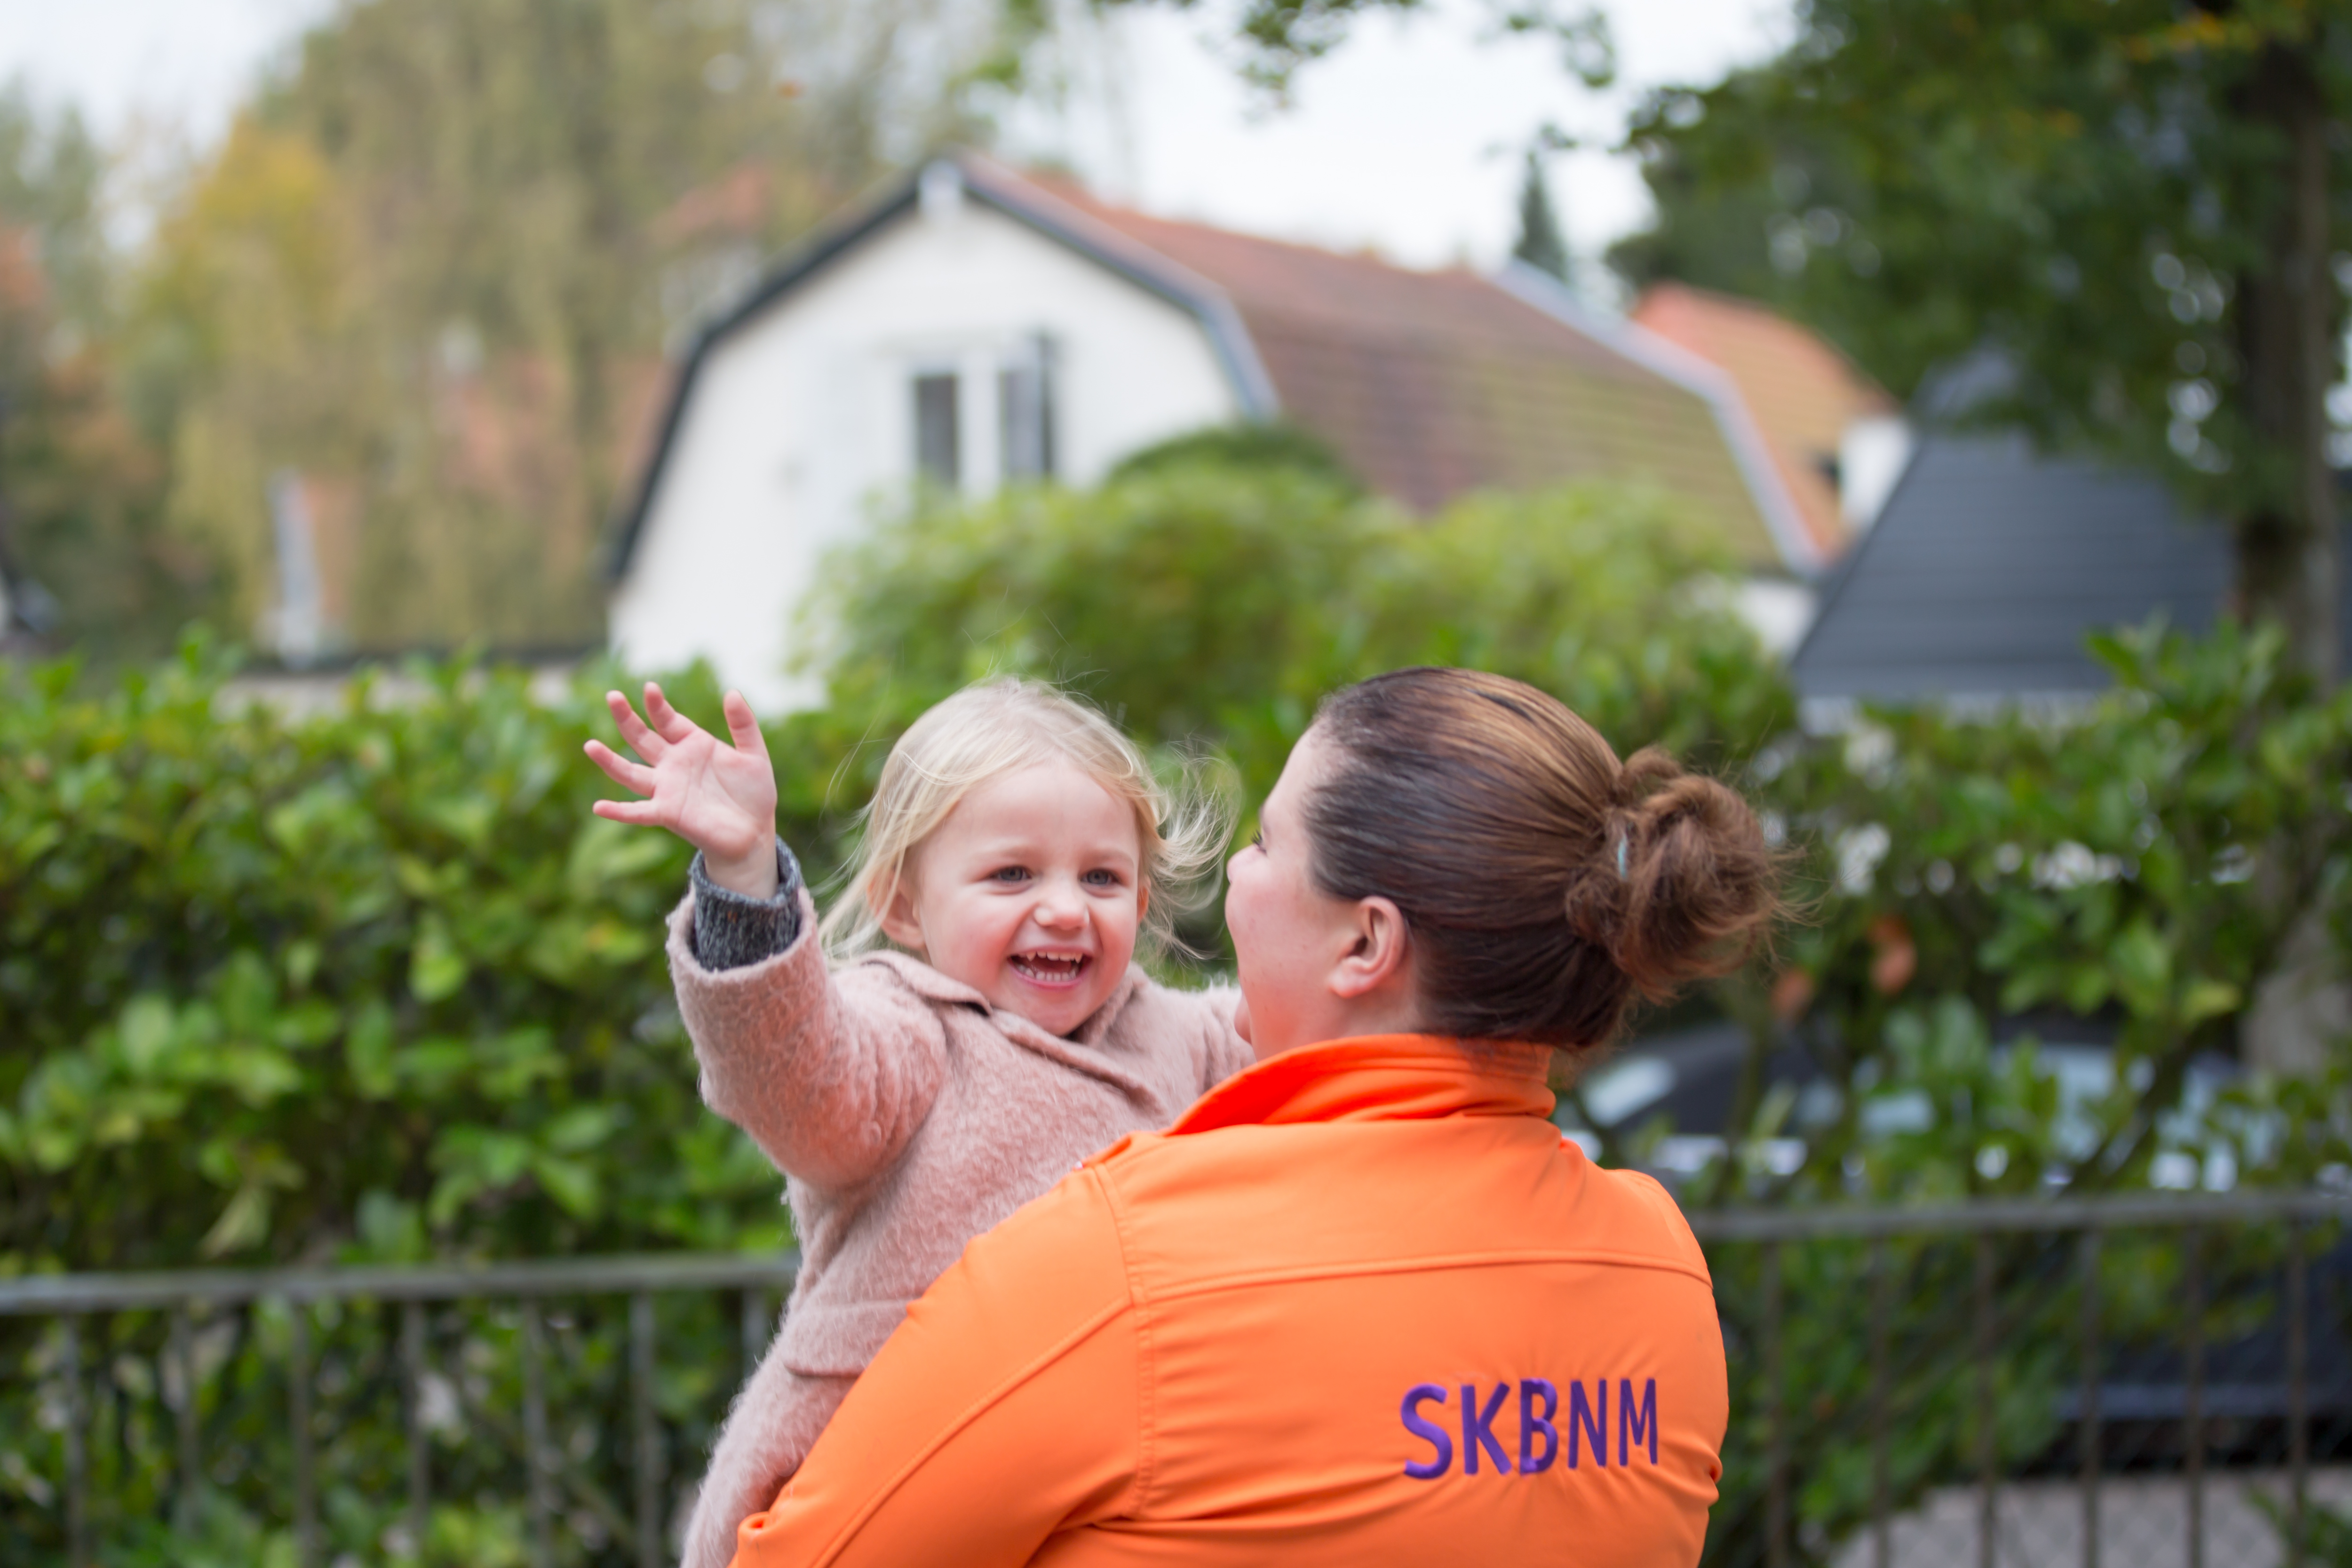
x: 1591, y: 1418
x: 1532, y: 1426
x: 1478, y: 1429
x: 1428, y: 1431
x: 1541, y: 1425
x: 1632, y: 1426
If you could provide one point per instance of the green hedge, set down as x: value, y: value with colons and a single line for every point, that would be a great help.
x: 369, y: 984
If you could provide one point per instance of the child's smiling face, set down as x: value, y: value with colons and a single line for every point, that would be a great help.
x: 1029, y: 893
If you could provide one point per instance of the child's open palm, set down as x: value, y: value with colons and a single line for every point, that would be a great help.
x: 720, y: 799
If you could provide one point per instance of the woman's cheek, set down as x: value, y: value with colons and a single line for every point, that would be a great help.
x: 1238, y: 910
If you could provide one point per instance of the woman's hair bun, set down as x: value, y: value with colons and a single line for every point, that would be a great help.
x: 1695, y: 882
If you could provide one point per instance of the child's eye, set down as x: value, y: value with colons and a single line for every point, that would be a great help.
x: 1257, y: 839
x: 1102, y: 879
x: 1010, y: 874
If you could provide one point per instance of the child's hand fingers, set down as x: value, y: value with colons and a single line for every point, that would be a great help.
x: 672, y: 725
x: 619, y: 769
x: 636, y: 812
x: 642, y: 741
x: 743, y: 727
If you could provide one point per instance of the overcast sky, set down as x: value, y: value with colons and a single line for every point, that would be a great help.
x: 1406, y: 140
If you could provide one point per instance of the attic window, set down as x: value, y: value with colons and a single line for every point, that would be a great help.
x: 939, y: 447
x: 1025, y: 411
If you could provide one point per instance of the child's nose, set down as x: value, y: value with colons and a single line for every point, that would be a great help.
x: 1061, y: 907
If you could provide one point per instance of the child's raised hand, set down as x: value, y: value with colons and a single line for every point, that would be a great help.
x: 719, y: 798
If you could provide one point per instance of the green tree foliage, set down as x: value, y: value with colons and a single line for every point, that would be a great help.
x: 1255, y: 445
x: 2132, y: 203
x: 1540, y: 243
x: 1213, y: 604
x: 2105, y: 865
x: 1281, y: 36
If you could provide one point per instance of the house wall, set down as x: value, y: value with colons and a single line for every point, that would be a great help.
x: 800, y: 426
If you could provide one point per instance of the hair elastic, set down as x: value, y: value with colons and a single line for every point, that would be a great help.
x: 1621, y: 854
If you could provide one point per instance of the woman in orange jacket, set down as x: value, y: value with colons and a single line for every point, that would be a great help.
x: 1362, y: 1304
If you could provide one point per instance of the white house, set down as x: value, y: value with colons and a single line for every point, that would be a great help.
x: 974, y: 325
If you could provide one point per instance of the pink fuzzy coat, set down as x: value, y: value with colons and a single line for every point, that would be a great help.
x: 907, y: 1116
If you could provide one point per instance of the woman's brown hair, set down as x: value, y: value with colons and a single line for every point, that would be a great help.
x: 1544, y: 883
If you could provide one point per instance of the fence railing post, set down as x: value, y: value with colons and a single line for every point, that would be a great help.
x: 77, y: 1435
x: 2192, y: 1269
x: 755, y: 1326
x: 298, y: 1421
x: 649, y: 1431
x: 537, y: 1463
x: 1987, y: 1438
x: 2087, y: 1246
x: 1776, y: 1418
x: 183, y: 1360
x: 1882, y: 1311
x: 2298, y: 1391
x: 420, y: 1457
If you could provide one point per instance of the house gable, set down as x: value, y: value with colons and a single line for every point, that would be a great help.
x: 989, y: 188
x: 804, y: 416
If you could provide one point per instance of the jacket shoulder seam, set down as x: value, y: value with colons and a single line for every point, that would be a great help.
x: 1256, y: 1279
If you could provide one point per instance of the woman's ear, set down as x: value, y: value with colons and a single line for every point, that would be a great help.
x: 1381, y: 958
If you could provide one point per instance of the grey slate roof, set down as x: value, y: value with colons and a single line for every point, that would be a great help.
x: 1988, y: 565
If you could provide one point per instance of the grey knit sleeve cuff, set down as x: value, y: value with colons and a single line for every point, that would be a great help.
x: 731, y: 930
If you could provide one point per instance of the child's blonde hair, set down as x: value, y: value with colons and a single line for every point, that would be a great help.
x: 1001, y: 726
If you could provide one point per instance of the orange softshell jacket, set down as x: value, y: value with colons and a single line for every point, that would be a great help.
x: 1363, y: 1305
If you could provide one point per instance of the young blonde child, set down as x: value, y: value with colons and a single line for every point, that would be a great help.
x: 1015, y: 850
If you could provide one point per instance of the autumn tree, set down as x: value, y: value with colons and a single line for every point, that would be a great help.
x: 434, y: 270
x: 80, y: 491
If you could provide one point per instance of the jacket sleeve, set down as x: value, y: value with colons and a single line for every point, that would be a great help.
x: 831, y: 1075
x: 1006, y: 1409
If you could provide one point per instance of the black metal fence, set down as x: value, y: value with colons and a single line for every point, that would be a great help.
x: 1970, y: 1384
x: 510, y: 1326
x: 2141, y: 1380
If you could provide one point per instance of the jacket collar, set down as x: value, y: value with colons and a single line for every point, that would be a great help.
x: 1088, y: 1050
x: 1380, y: 1078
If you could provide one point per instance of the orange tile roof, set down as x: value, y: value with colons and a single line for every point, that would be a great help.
x: 1434, y: 383
x: 1801, y: 392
